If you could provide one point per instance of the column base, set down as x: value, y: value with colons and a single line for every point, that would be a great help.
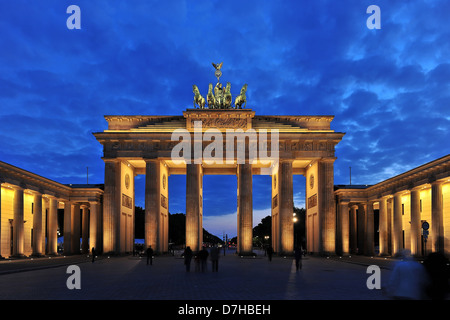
x: 18, y: 256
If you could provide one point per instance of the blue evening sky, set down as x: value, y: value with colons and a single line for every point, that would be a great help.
x: 388, y: 88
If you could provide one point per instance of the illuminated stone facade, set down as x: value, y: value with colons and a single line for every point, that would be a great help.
x: 144, y: 145
x: 29, y: 215
x: 402, y: 203
x: 379, y: 219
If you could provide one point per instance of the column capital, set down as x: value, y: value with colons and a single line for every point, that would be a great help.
x: 111, y: 160
x: 151, y: 160
x: 328, y: 159
x: 437, y: 182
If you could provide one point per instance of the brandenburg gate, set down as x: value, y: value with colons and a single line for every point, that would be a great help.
x: 217, y: 137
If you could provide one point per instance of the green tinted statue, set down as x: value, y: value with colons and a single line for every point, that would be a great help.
x: 228, y: 98
x: 210, y: 98
x: 198, y: 99
x: 241, y: 99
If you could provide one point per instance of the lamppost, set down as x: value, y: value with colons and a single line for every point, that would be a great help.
x: 295, y: 219
x: 266, y: 242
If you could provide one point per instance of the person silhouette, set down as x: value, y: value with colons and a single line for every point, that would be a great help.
x: 150, y: 255
x: 187, y: 258
x: 215, y: 258
x: 408, y: 280
x: 438, y: 270
x: 270, y: 253
x: 298, y: 258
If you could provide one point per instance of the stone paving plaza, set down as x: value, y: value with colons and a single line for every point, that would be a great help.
x: 130, y: 278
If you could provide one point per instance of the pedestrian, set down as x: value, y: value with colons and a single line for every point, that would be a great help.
x: 270, y: 253
x: 408, y: 280
x: 150, y: 255
x: 215, y: 258
x: 298, y: 258
x: 187, y: 258
x: 93, y: 254
x: 203, y: 256
x: 438, y: 270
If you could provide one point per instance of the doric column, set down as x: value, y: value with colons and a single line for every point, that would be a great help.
x: 111, y: 206
x: 327, y: 211
x: 415, y: 222
x: 85, y: 229
x: 397, y: 225
x: 194, y: 207
x: 18, y: 223
x: 369, y: 238
x: 94, y: 227
x: 245, y: 209
x: 361, y: 225
x: 437, y: 217
x: 37, y: 225
x: 353, y: 229
x: 383, y: 226
x: 345, y: 227
x: 286, y: 203
x: 68, y: 225
x: 156, y: 205
x: 76, y: 229
x: 52, y: 226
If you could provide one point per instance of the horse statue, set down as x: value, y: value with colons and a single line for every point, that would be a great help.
x: 210, y: 97
x: 241, y: 99
x: 198, y: 99
x: 218, y: 94
x: 227, y: 95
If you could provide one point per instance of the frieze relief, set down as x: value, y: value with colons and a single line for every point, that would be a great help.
x: 232, y: 123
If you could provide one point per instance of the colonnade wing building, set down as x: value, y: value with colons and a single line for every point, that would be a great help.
x: 219, y: 142
x: 29, y: 208
x: 412, y: 211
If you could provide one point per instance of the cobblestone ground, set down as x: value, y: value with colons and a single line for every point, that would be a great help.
x: 130, y: 278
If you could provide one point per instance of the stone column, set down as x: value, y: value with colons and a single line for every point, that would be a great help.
x: 345, y: 227
x: 327, y: 212
x: 154, y: 224
x: 415, y: 222
x: 245, y: 209
x: 85, y: 229
x: 194, y: 205
x: 437, y: 217
x: 286, y: 203
x: 383, y: 226
x: 397, y: 226
x: 68, y: 225
x: 369, y: 239
x: 353, y: 229
x: 18, y: 223
x: 111, y: 206
x: 52, y: 226
x: 76, y: 228
x: 37, y: 225
x: 361, y: 225
x: 94, y: 227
